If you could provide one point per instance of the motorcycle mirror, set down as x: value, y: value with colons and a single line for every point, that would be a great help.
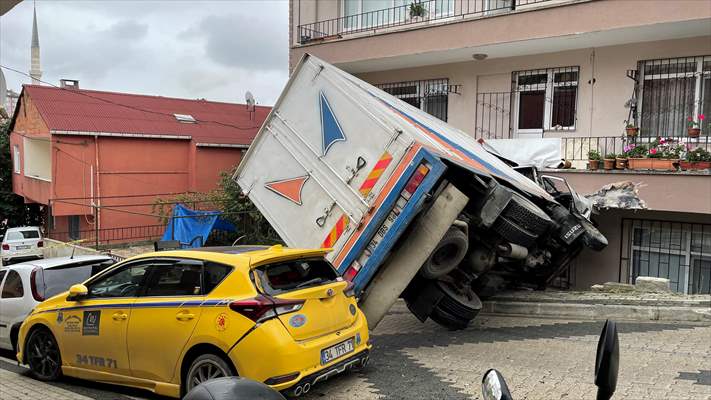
x: 493, y: 386
x: 607, y: 361
x: 232, y: 388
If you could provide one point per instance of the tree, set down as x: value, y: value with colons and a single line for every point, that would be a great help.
x: 13, y: 210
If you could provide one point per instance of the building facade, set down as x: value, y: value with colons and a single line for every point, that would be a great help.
x: 99, y: 160
x: 577, y: 71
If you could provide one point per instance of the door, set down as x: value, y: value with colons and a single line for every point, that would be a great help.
x: 12, y: 294
x: 164, y: 317
x: 95, y: 328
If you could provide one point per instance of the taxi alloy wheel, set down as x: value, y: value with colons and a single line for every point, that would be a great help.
x: 204, y: 368
x: 43, y: 355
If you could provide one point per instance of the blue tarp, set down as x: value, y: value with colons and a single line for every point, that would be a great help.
x: 189, y: 224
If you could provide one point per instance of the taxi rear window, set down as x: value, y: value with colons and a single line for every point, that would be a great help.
x: 295, y: 274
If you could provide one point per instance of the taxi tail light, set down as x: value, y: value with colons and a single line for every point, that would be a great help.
x: 33, y: 286
x: 262, y: 308
x: 415, y: 180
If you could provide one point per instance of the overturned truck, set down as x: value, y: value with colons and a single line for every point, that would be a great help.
x: 411, y: 206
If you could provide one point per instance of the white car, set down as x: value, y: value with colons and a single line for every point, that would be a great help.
x: 24, y: 285
x: 23, y: 243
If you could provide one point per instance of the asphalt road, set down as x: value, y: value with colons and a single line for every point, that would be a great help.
x: 540, y: 358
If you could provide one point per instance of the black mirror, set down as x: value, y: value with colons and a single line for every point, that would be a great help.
x: 232, y: 388
x: 493, y: 386
x: 607, y: 361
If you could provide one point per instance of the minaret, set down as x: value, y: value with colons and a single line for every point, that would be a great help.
x: 35, y: 71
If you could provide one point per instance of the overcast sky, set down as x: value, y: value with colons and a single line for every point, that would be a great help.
x: 191, y: 49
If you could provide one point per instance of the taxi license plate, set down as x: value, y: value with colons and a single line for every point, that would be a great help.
x: 22, y: 247
x: 331, y: 353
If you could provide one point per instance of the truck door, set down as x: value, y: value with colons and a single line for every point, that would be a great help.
x: 320, y: 160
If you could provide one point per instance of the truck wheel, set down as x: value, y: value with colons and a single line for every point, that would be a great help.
x: 522, y: 221
x: 457, y: 308
x: 447, y: 255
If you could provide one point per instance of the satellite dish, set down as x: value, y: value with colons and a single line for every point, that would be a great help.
x: 249, y: 98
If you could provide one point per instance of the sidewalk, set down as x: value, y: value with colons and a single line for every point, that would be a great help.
x: 634, y: 306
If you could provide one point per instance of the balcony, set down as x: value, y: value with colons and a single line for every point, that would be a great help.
x: 412, y: 14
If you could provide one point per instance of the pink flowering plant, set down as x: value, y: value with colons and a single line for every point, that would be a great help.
x: 635, y: 150
x: 666, y: 148
x: 695, y: 123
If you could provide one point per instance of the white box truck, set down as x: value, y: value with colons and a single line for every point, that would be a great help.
x: 411, y: 206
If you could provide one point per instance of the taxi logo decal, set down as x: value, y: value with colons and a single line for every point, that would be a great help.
x: 60, y: 318
x: 72, y: 324
x: 221, y: 322
x: 297, y: 321
x: 90, y: 326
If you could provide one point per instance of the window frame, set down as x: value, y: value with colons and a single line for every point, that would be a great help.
x: 422, y: 89
x: 548, y: 100
x: 16, y: 161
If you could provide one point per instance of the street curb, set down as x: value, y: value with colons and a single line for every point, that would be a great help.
x: 600, y: 311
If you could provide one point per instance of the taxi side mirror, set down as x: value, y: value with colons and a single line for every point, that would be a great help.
x: 77, y: 291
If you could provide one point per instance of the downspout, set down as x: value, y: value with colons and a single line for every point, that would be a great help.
x: 97, y: 199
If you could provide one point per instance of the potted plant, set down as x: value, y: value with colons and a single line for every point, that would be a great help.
x: 593, y: 160
x: 698, y: 158
x: 636, y: 156
x: 664, y: 154
x: 621, y: 161
x: 417, y: 10
x: 631, y: 130
x: 694, y: 126
x: 609, y: 161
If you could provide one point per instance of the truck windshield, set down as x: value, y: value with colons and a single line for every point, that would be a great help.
x: 296, y: 274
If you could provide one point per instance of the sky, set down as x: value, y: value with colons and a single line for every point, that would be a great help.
x: 191, y: 49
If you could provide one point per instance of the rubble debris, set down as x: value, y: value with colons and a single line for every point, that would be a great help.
x: 652, y: 284
x: 624, y: 195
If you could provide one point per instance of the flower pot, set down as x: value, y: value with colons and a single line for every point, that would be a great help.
x: 621, y: 163
x: 657, y: 164
x: 609, y: 163
x: 694, y: 165
x: 632, y: 132
x: 593, y: 165
x: 694, y: 132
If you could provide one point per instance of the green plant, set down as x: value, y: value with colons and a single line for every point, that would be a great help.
x: 417, y: 10
x: 635, y: 151
x: 698, y: 154
x: 610, y: 156
x: 692, y: 123
x: 665, y: 148
x: 594, y: 155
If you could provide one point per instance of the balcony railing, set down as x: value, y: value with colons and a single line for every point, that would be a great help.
x: 411, y: 13
x: 577, y: 148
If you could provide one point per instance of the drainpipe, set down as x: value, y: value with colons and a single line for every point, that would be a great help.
x: 97, y: 200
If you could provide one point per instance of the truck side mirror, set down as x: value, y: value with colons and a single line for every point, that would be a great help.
x: 493, y: 386
x: 76, y: 292
x: 607, y: 361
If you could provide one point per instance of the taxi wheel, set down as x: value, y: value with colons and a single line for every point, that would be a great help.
x: 204, y: 368
x: 43, y: 355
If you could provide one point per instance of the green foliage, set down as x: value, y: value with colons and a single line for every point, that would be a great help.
x: 13, y: 210
x: 698, y: 154
x: 610, y: 156
x: 594, y: 155
x: 666, y: 148
x: 636, y: 151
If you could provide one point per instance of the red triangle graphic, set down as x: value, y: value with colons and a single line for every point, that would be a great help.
x: 289, y: 188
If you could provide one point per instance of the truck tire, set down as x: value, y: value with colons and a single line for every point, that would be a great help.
x: 513, y: 232
x: 456, y: 309
x: 522, y: 222
x: 450, y: 251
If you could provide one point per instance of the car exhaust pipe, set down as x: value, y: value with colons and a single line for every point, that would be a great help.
x: 298, y: 391
x: 512, y: 250
x: 307, y: 387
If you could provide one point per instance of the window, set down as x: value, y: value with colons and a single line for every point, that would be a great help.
x: 430, y: 96
x: 123, y: 282
x: 546, y: 99
x: 58, y: 279
x: 185, y: 118
x: 13, y: 286
x: 16, y: 158
x: 2, y: 275
x: 74, y: 233
x: 214, y: 274
x: 372, y: 13
x: 672, y: 90
x: 181, y: 279
x: 677, y: 251
x: 297, y: 274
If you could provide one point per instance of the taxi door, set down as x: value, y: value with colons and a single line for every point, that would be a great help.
x: 92, y: 330
x: 164, y: 317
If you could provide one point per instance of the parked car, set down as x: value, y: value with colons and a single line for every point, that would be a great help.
x: 410, y: 205
x: 23, y: 286
x: 272, y: 314
x: 23, y: 243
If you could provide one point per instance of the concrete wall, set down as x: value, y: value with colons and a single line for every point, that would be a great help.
x: 600, y: 107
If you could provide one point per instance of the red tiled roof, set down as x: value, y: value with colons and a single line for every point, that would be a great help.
x: 96, y: 111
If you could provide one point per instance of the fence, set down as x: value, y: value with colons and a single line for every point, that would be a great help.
x: 680, y: 252
x: 577, y: 148
x: 413, y: 12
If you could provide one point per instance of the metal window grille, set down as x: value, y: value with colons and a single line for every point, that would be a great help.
x: 680, y: 252
x: 670, y: 91
x: 430, y: 96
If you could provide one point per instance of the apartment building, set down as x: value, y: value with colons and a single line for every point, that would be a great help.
x: 572, y: 72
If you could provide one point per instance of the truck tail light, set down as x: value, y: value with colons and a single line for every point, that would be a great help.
x: 351, y: 272
x: 5, y: 246
x: 262, y: 308
x: 40, y: 244
x: 33, y: 286
x: 415, y: 181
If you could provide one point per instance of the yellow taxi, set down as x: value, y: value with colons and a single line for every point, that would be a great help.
x: 168, y: 321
